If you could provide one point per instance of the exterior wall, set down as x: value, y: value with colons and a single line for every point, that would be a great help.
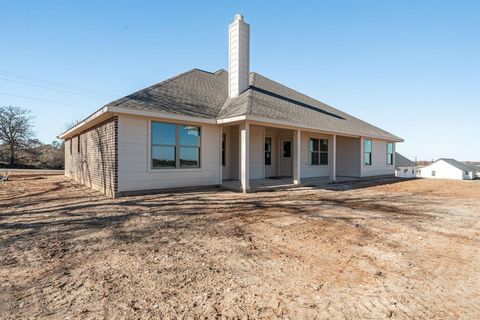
x: 307, y: 170
x: 443, y: 170
x: 379, y: 165
x: 95, y: 163
x: 230, y: 170
x: 134, y: 169
x: 348, y: 157
x: 271, y: 170
x: 257, y: 138
x: 406, y: 172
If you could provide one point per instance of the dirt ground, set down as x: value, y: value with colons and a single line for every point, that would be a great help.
x: 400, y: 250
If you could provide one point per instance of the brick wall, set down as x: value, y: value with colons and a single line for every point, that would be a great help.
x: 91, y: 158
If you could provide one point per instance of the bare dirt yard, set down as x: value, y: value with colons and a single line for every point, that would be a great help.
x: 394, y: 249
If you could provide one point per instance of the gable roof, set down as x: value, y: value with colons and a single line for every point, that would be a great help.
x: 202, y: 94
x: 457, y: 164
x: 401, y: 161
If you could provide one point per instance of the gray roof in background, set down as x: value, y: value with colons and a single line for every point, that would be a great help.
x: 204, y: 94
x: 401, y: 161
x: 460, y: 165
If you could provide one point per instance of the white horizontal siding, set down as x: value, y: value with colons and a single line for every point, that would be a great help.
x: 379, y: 165
x: 134, y: 151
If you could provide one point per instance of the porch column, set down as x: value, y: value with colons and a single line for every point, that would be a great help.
x: 244, y: 156
x: 220, y: 178
x: 333, y: 175
x: 296, y: 156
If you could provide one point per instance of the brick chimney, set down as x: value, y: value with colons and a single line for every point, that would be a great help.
x: 238, y: 56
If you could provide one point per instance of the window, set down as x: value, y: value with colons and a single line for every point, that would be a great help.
x: 389, y: 153
x: 224, y: 144
x: 318, y: 152
x: 433, y: 173
x: 175, y: 146
x: 268, y: 151
x: 287, y: 149
x: 367, y: 149
x: 78, y: 144
x: 70, y: 145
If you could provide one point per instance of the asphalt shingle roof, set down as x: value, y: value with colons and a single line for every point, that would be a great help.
x: 204, y: 94
x: 458, y: 164
x: 401, y: 161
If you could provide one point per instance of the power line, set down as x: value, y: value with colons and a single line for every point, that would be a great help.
x: 43, y: 100
x: 53, y: 83
x: 56, y: 89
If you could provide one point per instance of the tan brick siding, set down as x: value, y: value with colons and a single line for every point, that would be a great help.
x: 91, y: 158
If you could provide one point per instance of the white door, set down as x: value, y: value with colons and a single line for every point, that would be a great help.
x: 285, y: 158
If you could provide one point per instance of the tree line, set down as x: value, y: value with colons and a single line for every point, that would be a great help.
x: 19, y: 148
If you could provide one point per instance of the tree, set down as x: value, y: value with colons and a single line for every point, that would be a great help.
x: 15, y: 129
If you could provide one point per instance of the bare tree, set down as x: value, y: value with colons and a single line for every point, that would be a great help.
x: 15, y: 129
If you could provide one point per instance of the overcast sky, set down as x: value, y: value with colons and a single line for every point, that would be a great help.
x: 409, y: 67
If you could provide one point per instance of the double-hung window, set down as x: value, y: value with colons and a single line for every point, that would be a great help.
x: 78, y: 144
x: 175, y: 145
x: 389, y: 153
x: 367, y: 150
x: 318, y: 151
x: 268, y: 151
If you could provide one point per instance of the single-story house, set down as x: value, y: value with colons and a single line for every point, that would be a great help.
x: 201, y: 128
x: 404, y: 167
x: 444, y: 168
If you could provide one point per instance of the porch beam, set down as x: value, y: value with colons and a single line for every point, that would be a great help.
x: 244, y: 156
x: 333, y: 176
x: 296, y: 156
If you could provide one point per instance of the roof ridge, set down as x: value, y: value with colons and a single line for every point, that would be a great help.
x: 153, y: 86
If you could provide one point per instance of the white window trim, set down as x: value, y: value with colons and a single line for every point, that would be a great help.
x: 363, y: 153
x: 271, y: 151
x: 393, y: 153
x: 308, y: 152
x: 150, y: 169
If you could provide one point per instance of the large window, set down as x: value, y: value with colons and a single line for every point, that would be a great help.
x: 175, y: 146
x: 268, y: 151
x: 367, y: 149
x: 224, y: 145
x: 389, y: 153
x: 318, y: 152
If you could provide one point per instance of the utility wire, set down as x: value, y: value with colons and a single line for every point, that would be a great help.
x: 53, y: 83
x: 56, y: 89
x: 43, y: 100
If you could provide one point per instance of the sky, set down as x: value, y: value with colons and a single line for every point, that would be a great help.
x: 409, y: 67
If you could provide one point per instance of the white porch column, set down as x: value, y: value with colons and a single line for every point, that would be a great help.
x: 244, y: 156
x: 296, y: 156
x: 220, y: 162
x: 333, y: 176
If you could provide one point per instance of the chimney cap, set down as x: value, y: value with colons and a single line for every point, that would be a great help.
x: 239, y: 17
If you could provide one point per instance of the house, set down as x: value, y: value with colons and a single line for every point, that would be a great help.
x: 404, y: 167
x: 204, y: 128
x: 444, y: 168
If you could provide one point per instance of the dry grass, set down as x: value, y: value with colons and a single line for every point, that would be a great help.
x: 405, y: 249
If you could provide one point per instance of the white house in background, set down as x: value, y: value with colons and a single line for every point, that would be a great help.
x: 447, y: 169
x: 404, y: 167
x: 201, y: 128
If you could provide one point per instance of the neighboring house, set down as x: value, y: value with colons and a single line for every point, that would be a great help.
x: 447, y: 169
x: 404, y: 167
x: 200, y: 128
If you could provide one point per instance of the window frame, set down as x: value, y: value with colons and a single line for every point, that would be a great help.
x: 79, y: 150
x: 319, y: 152
x: 177, y: 147
x: 265, y: 151
x: 390, y: 155
x: 224, y: 148
x: 370, y: 153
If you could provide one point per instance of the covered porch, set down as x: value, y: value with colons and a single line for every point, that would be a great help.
x: 257, y: 156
